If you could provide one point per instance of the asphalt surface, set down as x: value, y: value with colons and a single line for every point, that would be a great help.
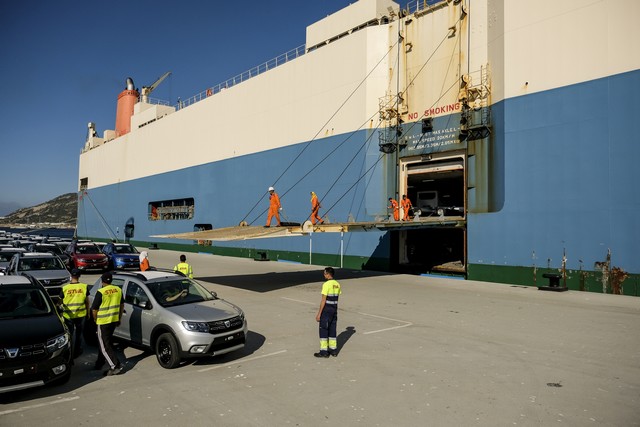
x: 413, y: 351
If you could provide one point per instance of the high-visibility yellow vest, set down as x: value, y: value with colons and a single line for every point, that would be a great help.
x: 185, y: 269
x: 331, y: 288
x: 73, y: 302
x: 109, y: 310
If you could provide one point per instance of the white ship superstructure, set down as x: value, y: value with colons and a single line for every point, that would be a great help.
x: 509, y: 124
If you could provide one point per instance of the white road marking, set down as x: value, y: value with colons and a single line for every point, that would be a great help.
x: 366, y: 314
x: 242, y: 361
x: 40, y: 405
x: 386, y: 318
x: 297, y: 300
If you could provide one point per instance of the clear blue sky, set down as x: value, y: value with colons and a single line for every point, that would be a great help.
x: 65, y: 62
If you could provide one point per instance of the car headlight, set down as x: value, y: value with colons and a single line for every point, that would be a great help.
x: 195, y: 326
x: 58, y: 342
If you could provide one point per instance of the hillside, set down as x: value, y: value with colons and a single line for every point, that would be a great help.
x: 59, y: 211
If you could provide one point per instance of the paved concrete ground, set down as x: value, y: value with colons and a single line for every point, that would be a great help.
x: 414, y: 351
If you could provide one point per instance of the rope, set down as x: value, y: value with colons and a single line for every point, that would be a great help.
x: 355, y: 131
x: 104, y: 222
x: 308, y: 143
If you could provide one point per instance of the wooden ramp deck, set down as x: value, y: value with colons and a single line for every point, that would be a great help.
x: 258, y: 232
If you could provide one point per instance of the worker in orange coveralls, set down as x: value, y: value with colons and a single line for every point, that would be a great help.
x: 396, y: 211
x: 315, y: 207
x: 406, y: 207
x: 274, y: 207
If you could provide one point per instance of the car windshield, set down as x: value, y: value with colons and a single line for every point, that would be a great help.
x: 51, y: 249
x: 49, y: 263
x: 124, y: 249
x: 5, y: 256
x: 17, y: 302
x: 87, y: 249
x: 178, y: 292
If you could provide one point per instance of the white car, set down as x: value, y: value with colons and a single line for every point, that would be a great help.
x: 175, y: 317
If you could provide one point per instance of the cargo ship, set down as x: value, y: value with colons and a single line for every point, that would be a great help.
x: 509, y: 126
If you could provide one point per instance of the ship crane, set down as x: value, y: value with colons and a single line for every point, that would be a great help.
x: 146, y: 90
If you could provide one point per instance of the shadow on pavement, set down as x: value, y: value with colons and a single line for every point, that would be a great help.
x: 272, y: 281
x: 254, y: 342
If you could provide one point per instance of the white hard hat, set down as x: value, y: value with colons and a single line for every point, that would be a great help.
x: 270, y: 188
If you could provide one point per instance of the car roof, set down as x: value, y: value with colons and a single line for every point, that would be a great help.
x: 36, y: 255
x: 149, y: 274
x: 14, y: 280
x: 13, y: 249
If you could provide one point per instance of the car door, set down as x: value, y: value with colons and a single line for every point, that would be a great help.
x: 135, y: 322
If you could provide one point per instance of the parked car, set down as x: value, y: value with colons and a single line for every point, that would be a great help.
x: 174, y: 316
x: 47, y: 268
x: 62, y: 244
x: 50, y: 248
x: 86, y: 256
x: 21, y: 243
x: 122, y: 256
x: 7, y: 253
x: 36, y: 347
x: 100, y: 245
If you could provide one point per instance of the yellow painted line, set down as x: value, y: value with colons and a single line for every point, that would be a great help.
x: 242, y: 361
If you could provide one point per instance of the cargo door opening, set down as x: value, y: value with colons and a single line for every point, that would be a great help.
x: 437, y: 190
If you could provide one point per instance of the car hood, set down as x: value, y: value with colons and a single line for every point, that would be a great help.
x: 91, y: 256
x: 206, y: 311
x: 135, y: 257
x: 48, y: 274
x: 29, y: 330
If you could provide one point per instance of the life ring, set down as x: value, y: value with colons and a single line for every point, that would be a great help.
x: 209, y: 92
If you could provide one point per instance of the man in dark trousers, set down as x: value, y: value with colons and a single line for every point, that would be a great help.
x: 327, y: 316
x: 106, y: 310
x: 76, y: 307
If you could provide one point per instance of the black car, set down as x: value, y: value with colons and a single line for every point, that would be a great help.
x: 51, y: 248
x: 35, y: 347
x: 6, y: 254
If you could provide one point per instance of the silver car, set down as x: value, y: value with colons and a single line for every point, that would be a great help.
x: 175, y: 316
x: 46, y: 267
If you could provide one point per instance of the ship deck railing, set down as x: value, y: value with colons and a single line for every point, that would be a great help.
x: 242, y: 77
x: 414, y: 6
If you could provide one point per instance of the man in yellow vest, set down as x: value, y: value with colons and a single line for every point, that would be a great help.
x: 183, y: 267
x: 107, y: 310
x: 327, y: 316
x: 75, y: 306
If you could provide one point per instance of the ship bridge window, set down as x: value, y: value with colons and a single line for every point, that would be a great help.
x: 176, y: 209
x: 84, y: 183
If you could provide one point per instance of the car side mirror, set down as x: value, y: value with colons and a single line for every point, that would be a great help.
x: 147, y: 305
x: 214, y: 294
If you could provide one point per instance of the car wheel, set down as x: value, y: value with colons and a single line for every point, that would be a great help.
x: 167, y: 351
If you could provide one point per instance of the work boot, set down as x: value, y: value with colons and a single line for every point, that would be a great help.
x: 115, y: 371
x: 321, y: 353
x: 333, y: 352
